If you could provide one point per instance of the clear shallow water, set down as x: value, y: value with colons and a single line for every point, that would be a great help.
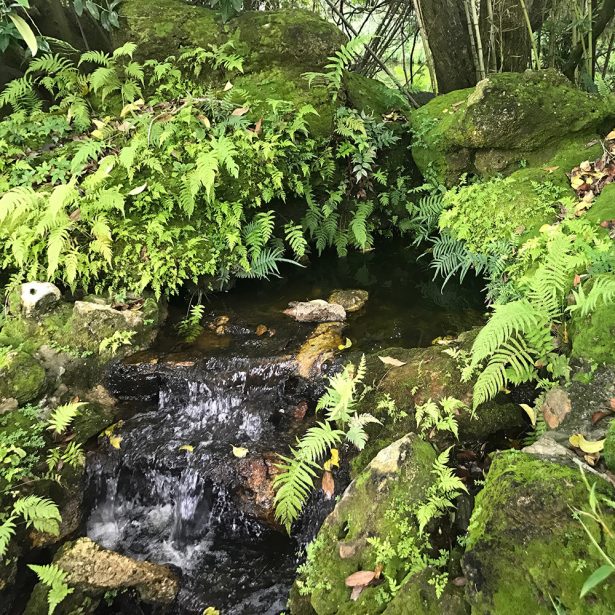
x: 156, y: 499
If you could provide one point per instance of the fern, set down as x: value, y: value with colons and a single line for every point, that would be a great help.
x: 40, y: 513
x: 55, y: 579
x: 63, y: 416
x: 602, y: 291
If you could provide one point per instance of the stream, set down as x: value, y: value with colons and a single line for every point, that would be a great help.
x: 173, y: 492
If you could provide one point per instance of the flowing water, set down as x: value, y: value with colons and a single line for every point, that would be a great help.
x: 172, y: 491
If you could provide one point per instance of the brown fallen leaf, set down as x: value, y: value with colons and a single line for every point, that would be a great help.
x: 356, y: 592
x: 378, y: 571
x: 300, y: 410
x: 240, y: 111
x: 612, y: 403
x: 328, y: 484
x: 392, y: 362
x: 459, y: 581
x: 577, y: 280
x: 360, y: 578
x: 258, y: 127
x: 261, y: 330
x: 599, y: 415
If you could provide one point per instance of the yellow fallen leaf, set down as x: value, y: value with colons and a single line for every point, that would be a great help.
x: 346, y: 344
x: 547, y: 228
x: 240, y: 111
x: 239, y: 451
x: 587, y: 446
x: 228, y: 86
x: 530, y: 412
x: 333, y: 462
x: 551, y: 169
x: 187, y: 447
x: 392, y: 362
x: 115, y: 441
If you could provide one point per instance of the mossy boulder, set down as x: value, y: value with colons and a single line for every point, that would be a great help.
x: 277, y: 48
x: 525, y: 549
x: 505, y: 119
x: 593, y: 335
x: 609, y: 447
x: 430, y: 373
x: 396, y: 478
x: 22, y: 377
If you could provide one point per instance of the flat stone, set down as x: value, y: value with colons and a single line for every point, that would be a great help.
x: 350, y: 300
x: 317, y: 310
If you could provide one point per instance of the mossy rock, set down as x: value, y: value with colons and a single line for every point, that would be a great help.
x: 603, y: 207
x: 609, y: 447
x: 507, y: 118
x: 525, y: 548
x: 398, y: 475
x: 429, y: 373
x: 593, y: 335
x: 22, y: 377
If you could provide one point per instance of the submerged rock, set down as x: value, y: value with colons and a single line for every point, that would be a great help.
x: 320, y: 347
x: 524, y: 546
x: 38, y: 297
x: 316, y: 310
x: 350, y: 300
x: 507, y: 118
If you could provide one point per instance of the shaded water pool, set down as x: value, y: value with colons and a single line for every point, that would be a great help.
x: 174, y: 493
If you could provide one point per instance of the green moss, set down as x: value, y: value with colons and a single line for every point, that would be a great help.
x: 609, y: 447
x: 373, y: 96
x: 604, y: 206
x: 22, y: 377
x: 505, y: 119
x: 524, y: 545
x: 592, y: 336
x: 397, y: 478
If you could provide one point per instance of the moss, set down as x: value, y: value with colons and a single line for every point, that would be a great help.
x: 373, y: 96
x: 505, y: 119
x: 609, y: 447
x: 522, y: 518
x: 22, y: 377
x: 604, y: 206
x: 399, y: 475
x: 592, y: 336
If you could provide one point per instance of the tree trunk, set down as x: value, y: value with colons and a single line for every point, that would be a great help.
x: 449, y: 41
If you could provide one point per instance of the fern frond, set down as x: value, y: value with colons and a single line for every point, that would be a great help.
x: 63, y: 416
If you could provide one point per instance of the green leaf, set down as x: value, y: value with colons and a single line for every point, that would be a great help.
x: 597, y: 577
x: 26, y: 32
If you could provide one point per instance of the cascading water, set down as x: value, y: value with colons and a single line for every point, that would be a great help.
x: 171, y: 492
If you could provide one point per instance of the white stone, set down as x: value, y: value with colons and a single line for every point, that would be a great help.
x: 38, y: 297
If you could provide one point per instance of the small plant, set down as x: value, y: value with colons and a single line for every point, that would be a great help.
x: 431, y: 419
x: 387, y: 403
x: 54, y: 579
x: 190, y: 327
x: 341, y: 422
x: 113, y: 343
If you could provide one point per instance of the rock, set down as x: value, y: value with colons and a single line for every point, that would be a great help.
x: 507, y: 118
x: 398, y: 477
x: 39, y: 297
x: 350, y: 300
x: 523, y: 541
x: 22, y: 378
x: 317, y: 310
x: 256, y: 492
x: 556, y: 407
x: 93, y: 571
x: 609, y: 447
x: 320, y: 347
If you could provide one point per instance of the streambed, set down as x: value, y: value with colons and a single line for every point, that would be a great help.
x: 171, y: 490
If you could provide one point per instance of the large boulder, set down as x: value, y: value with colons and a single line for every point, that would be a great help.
x: 505, y: 119
x: 374, y: 515
x: 525, y: 549
x: 277, y: 47
x: 93, y: 571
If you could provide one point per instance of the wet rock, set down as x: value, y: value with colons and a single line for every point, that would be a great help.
x: 22, y: 378
x: 523, y: 541
x: 93, y: 571
x: 369, y: 510
x: 256, y: 493
x: 316, y: 310
x: 319, y: 348
x: 350, y: 300
x: 556, y: 407
x: 38, y: 297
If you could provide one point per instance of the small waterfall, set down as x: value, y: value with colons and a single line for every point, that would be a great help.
x: 171, y: 492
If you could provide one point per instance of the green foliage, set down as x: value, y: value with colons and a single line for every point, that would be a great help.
x: 295, y: 483
x: 146, y: 175
x: 113, y: 343
x: 55, y: 579
x: 22, y: 465
x: 431, y: 419
x: 190, y: 327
